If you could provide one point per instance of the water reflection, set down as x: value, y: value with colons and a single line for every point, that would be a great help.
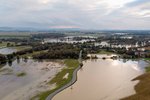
x: 7, y: 50
x: 18, y: 60
x: 104, y: 80
x: 10, y: 63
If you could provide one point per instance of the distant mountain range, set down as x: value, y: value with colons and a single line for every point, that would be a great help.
x: 30, y: 29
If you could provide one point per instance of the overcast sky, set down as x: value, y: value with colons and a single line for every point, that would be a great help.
x: 84, y: 14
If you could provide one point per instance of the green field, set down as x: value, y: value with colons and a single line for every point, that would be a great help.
x: 19, y: 48
x: 147, y: 58
x: 21, y: 74
x: 14, y: 34
x: 148, y: 69
x: 34, y: 53
x: 4, y: 44
x: 12, y: 45
x: 142, y: 88
x: 105, y: 52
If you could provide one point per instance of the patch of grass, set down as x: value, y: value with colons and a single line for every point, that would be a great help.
x: 105, y: 52
x: 14, y: 35
x: 147, y: 58
x: 142, y: 88
x: 5, y: 70
x: 19, y: 48
x: 147, y: 69
x: 21, y: 74
x: 43, y: 95
x: 71, y: 65
x: 4, y: 44
x: 34, y: 53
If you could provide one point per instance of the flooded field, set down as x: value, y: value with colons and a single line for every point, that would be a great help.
x: 69, y: 39
x: 104, y: 43
x: 23, y: 79
x: 104, y: 80
x: 7, y: 50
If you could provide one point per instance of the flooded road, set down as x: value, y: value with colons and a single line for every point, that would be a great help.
x: 104, y: 80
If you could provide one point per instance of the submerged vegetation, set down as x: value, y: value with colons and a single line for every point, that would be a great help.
x: 46, y: 51
x: 21, y: 74
x: 35, y: 47
x: 70, y: 66
x: 105, y: 52
x: 6, y: 44
x: 147, y: 69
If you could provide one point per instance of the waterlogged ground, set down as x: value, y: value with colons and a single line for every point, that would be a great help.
x: 104, y: 80
x: 23, y: 79
x: 7, y: 50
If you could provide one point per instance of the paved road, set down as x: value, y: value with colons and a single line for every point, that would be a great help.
x: 74, y: 79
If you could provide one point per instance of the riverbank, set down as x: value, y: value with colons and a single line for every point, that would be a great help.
x: 72, y: 81
x: 113, y: 81
x: 59, y: 80
x: 142, y: 88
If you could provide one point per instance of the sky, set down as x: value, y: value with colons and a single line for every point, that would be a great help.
x: 82, y: 14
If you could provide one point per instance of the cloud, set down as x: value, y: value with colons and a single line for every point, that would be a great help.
x: 140, y: 8
x: 87, y: 14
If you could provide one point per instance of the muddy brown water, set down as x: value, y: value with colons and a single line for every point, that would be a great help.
x: 104, y: 80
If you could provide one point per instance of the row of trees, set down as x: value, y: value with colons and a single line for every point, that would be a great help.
x: 3, y: 59
x: 53, y: 51
x: 47, y: 35
x: 60, y: 51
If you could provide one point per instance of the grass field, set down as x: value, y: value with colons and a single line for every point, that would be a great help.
x: 21, y: 74
x: 4, y: 44
x: 147, y: 58
x: 19, y: 48
x: 14, y: 34
x: 70, y: 66
x: 105, y: 52
x: 34, y: 53
x: 147, y: 69
x: 142, y: 88
x: 12, y: 45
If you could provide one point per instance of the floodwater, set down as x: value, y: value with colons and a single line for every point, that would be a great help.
x: 7, y: 50
x: 69, y: 39
x: 105, y: 43
x: 37, y: 74
x: 104, y: 80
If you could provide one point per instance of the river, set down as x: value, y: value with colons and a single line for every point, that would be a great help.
x: 104, y: 80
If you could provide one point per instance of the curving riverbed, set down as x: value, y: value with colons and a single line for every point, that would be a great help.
x: 104, y: 80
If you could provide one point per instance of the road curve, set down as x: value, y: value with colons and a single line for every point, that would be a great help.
x: 73, y: 80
